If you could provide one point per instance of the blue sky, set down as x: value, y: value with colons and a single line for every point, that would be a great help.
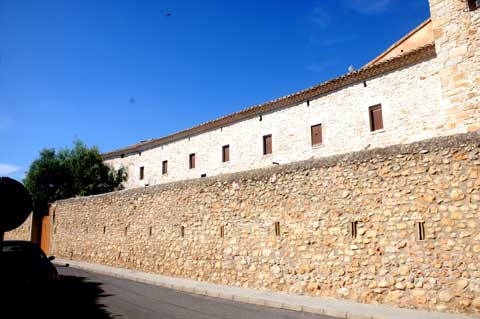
x: 114, y: 72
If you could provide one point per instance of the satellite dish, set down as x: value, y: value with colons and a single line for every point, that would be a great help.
x: 15, y: 204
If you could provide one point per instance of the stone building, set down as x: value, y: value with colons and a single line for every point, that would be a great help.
x: 375, y: 201
x: 424, y: 86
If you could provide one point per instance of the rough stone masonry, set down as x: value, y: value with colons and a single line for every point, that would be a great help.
x: 176, y: 229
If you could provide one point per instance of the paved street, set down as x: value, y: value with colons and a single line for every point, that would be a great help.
x: 129, y: 299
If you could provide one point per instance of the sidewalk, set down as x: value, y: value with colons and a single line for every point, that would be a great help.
x: 318, y: 305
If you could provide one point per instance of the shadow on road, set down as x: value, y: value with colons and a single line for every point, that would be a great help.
x: 69, y: 297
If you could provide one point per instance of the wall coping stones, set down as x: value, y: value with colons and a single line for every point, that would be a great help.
x: 399, y: 150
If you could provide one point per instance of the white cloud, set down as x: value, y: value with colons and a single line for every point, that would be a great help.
x: 368, y: 6
x: 7, y: 169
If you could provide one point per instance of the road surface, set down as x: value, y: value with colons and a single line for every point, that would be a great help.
x: 119, y: 298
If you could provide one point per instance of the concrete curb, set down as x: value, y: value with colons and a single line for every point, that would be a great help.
x: 317, y: 305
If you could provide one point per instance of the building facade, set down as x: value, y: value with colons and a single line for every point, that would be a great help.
x: 392, y: 224
x: 415, y: 90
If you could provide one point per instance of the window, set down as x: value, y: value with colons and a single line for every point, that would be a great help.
x: 142, y: 172
x: 225, y: 153
x: 267, y: 144
x: 191, y: 161
x: 316, y: 133
x: 164, y: 167
x: 277, y: 228
x: 353, y: 229
x: 376, y: 120
x: 420, y: 230
x: 473, y: 4
x: 203, y: 175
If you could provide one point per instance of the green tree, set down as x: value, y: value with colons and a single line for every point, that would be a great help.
x: 70, y: 172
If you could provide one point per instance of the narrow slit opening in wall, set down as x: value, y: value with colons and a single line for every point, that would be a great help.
x: 277, y: 229
x: 104, y: 229
x: 150, y: 231
x: 420, y: 230
x: 125, y: 231
x: 308, y: 102
x: 182, y: 231
x: 222, y: 231
x: 353, y: 229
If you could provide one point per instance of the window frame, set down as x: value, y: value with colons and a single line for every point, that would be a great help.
x: 264, y: 143
x: 191, y: 160
x: 165, y: 167
x: 227, y: 149
x: 312, y: 127
x: 372, y: 123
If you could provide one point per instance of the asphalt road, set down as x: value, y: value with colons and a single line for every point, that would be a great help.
x: 119, y: 298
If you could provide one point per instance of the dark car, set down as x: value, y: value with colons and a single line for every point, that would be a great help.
x: 24, y: 261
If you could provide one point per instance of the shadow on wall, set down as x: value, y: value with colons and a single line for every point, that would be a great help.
x: 69, y: 297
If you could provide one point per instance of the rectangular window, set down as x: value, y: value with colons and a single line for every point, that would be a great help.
x: 316, y: 133
x: 142, y: 172
x: 225, y: 153
x: 473, y: 4
x: 353, y: 229
x: 164, y: 167
x: 376, y: 119
x: 191, y: 161
x: 267, y: 144
x: 277, y: 229
x: 420, y: 230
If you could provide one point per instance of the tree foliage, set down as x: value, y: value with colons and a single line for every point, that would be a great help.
x: 70, y: 172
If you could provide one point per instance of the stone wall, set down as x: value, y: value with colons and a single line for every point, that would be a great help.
x: 410, y: 99
x: 386, y: 191
x: 429, y: 99
x: 456, y: 31
x: 21, y: 233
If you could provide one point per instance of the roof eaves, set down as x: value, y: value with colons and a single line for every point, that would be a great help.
x: 363, y: 74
